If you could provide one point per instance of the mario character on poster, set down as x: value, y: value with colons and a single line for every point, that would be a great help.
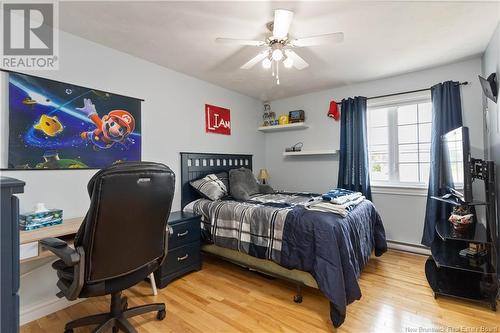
x: 54, y: 125
x: 115, y: 127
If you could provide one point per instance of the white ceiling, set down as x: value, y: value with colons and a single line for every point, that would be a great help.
x: 381, y: 38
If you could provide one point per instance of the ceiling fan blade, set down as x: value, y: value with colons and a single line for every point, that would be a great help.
x: 282, y: 21
x: 337, y: 37
x: 240, y: 41
x: 298, y: 62
x: 252, y: 62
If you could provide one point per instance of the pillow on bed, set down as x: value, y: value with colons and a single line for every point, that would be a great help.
x: 210, y: 186
x: 242, y: 184
x: 224, y: 178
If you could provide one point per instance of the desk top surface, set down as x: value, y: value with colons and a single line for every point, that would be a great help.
x: 70, y: 226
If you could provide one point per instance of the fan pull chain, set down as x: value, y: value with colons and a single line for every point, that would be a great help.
x: 277, y: 73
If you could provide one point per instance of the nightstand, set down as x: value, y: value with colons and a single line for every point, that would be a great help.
x: 183, y: 248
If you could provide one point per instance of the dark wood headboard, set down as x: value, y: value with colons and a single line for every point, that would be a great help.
x: 197, y: 165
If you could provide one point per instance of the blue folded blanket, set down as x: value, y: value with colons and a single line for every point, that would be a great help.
x: 335, y: 193
x: 341, y: 196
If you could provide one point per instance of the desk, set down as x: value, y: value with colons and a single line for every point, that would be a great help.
x: 31, y: 249
x: 29, y: 240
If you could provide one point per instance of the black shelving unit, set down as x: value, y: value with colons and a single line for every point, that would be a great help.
x: 449, y: 273
x: 476, y: 233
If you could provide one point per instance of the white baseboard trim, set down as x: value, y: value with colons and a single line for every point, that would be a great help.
x: 413, y: 248
x: 41, y: 309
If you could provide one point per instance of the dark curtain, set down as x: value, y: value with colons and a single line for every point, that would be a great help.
x: 353, y: 162
x: 446, y: 116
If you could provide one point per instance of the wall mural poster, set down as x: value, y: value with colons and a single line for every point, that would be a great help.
x: 55, y: 125
x: 217, y: 120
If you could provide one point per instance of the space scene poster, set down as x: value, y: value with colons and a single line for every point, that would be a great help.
x: 55, y: 125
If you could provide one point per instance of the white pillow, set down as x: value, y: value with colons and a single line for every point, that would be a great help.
x: 210, y: 186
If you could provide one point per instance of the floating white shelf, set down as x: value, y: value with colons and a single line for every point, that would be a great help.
x: 310, y: 152
x: 279, y: 128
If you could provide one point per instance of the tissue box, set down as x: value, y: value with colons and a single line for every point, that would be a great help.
x: 32, y: 220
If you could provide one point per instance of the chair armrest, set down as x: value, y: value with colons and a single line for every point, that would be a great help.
x: 53, y: 242
x: 61, y: 249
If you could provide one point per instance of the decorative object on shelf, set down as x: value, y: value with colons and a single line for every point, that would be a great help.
x: 40, y: 217
x: 269, y: 117
x: 279, y: 45
x: 296, y: 147
x: 474, y: 250
x: 217, y: 120
x: 333, y: 111
x: 57, y: 125
x: 461, y: 217
x: 283, y: 119
x: 263, y: 176
x: 297, y: 116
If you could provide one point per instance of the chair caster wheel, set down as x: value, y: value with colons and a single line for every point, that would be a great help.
x: 297, y: 299
x: 69, y: 330
x: 161, y: 315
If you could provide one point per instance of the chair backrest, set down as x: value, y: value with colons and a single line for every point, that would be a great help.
x: 125, y: 227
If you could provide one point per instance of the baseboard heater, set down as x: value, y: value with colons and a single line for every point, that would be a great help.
x: 408, y: 247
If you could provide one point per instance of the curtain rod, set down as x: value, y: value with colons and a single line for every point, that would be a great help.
x: 407, y: 92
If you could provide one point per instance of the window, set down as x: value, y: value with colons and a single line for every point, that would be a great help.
x: 399, y: 140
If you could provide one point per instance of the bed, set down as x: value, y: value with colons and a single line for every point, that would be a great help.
x: 314, y: 249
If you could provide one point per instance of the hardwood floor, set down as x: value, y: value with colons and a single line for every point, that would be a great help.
x: 223, y: 297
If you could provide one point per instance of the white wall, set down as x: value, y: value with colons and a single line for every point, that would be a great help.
x: 491, y: 63
x: 172, y: 118
x: 402, y: 213
x: 172, y: 121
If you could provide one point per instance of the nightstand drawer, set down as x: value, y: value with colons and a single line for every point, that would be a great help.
x: 184, y: 233
x: 180, y: 258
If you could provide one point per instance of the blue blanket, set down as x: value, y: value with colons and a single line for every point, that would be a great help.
x: 334, y: 250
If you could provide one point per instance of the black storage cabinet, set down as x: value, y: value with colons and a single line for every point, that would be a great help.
x: 9, y: 260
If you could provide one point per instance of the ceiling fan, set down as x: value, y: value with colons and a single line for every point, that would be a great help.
x: 279, y: 45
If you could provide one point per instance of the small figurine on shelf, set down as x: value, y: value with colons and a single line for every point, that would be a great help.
x: 461, y: 217
x: 295, y: 148
x: 283, y: 119
x: 269, y: 116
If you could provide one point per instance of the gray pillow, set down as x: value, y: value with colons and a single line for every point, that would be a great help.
x: 243, y: 185
x: 210, y: 186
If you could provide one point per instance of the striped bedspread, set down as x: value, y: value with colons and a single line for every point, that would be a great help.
x: 254, y: 227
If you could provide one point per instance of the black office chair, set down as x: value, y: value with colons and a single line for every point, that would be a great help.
x: 121, y: 241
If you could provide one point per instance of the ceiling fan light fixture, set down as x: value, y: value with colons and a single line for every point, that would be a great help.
x: 288, y: 62
x: 277, y: 55
x: 266, y: 63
